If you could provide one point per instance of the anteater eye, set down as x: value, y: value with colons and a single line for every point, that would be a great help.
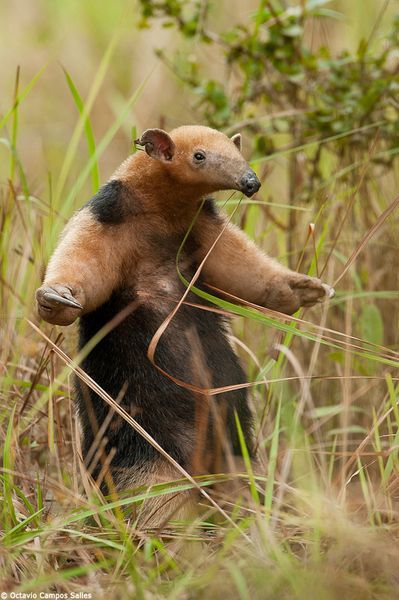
x: 199, y: 156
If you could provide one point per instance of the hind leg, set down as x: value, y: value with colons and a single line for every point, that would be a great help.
x: 159, y: 506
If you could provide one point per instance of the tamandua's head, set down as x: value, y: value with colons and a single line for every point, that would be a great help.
x: 202, y: 158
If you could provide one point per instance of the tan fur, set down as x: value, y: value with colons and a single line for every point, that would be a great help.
x: 157, y: 511
x: 92, y: 258
x: 89, y: 260
x: 174, y: 186
x: 237, y: 266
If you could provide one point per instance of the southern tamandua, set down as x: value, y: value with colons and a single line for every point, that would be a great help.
x: 121, y: 248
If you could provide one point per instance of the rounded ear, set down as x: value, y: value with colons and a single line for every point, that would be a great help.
x: 157, y: 143
x: 237, y: 140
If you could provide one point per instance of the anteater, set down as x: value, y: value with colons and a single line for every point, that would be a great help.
x: 119, y: 251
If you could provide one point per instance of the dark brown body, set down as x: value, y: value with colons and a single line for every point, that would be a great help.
x: 120, y: 251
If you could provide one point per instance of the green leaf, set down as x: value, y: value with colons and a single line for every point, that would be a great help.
x: 312, y: 4
x: 371, y: 324
x: 293, y: 31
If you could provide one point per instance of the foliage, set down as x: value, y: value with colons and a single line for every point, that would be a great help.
x: 308, y: 94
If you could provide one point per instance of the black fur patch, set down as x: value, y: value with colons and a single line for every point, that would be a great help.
x: 113, y: 203
x: 166, y: 410
x: 210, y: 208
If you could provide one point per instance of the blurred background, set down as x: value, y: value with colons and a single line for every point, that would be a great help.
x: 313, y: 86
x: 75, y: 35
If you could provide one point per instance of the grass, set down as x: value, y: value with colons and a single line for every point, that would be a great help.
x: 318, y: 517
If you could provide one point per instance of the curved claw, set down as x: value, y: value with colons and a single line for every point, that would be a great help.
x: 330, y: 292
x: 53, y: 297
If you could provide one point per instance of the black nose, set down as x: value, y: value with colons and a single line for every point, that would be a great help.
x: 249, y: 183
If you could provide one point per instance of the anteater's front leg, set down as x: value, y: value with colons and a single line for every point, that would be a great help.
x: 83, y: 271
x: 237, y: 266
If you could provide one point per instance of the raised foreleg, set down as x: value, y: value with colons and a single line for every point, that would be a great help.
x: 83, y: 271
x: 237, y: 266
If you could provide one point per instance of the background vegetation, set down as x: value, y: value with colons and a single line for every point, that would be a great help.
x: 313, y: 87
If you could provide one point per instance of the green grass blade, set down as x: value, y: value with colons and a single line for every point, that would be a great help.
x: 22, y: 96
x: 9, y: 536
x: 247, y: 459
x: 14, y: 125
x: 8, y: 462
x: 75, y: 138
x: 273, y: 454
x: 101, y: 146
x: 91, y: 144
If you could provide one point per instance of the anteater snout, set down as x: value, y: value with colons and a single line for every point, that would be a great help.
x: 249, y: 183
